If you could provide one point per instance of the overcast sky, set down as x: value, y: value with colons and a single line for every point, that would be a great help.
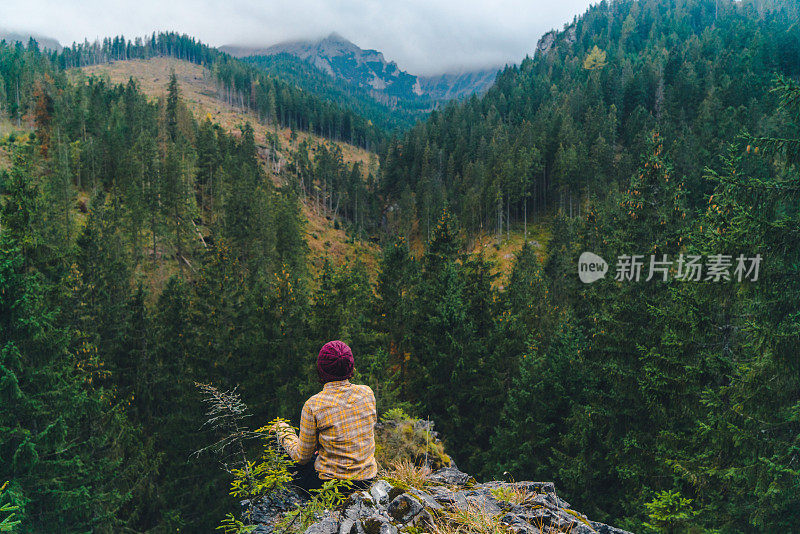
x: 422, y: 36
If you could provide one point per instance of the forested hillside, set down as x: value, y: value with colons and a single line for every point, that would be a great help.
x: 272, y: 99
x: 151, y: 240
x: 657, y: 127
x: 300, y: 72
x: 570, y: 120
x: 322, y: 172
x: 363, y: 80
x: 144, y: 249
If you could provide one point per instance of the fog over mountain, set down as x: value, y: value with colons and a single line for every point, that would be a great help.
x: 23, y: 37
x: 423, y: 37
x: 369, y: 69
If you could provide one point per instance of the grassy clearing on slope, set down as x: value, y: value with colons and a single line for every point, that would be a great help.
x: 325, y: 240
x: 6, y: 127
x: 11, y: 134
x: 501, y: 253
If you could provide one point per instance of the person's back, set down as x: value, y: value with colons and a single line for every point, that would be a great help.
x: 336, y: 425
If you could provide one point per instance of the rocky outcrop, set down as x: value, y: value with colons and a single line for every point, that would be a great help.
x: 547, y: 41
x: 449, y: 495
x: 553, y: 38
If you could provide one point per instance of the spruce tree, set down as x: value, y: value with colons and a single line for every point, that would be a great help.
x: 71, y: 452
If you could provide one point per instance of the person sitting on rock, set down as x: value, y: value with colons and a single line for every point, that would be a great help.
x: 337, y: 427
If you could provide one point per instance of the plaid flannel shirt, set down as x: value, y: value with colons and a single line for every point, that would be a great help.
x: 339, y: 423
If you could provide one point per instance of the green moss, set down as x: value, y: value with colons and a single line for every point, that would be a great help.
x: 574, y: 513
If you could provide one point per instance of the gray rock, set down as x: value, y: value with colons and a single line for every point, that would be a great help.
x: 358, y: 505
x: 378, y: 524
x: 564, y: 523
x: 423, y: 518
x: 426, y: 498
x: 571, y: 34
x: 547, y: 500
x: 486, y: 502
x: 350, y: 526
x: 404, y: 508
x: 471, y: 498
x: 385, y: 509
x: 394, y: 492
x: 268, y: 511
x: 380, y: 492
x: 546, y: 43
x: 537, y: 487
x: 451, y: 476
x: 328, y: 525
x: 448, y: 498
x: 536, y: 516
x: 518, y: 526
x: 602, y: 528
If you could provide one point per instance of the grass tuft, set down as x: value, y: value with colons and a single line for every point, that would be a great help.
x: 511, y: 493
x: 406, y: 474
x: 473, y: 519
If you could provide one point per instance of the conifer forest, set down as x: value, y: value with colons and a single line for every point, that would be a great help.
x: 215, y: 222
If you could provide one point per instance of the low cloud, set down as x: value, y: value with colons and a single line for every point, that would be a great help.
x: 422, y: 36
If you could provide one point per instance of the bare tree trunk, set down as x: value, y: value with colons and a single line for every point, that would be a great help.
x: 570, y: 203
x: 19, y: 117
x: 499, y: 216
x: 508, y: 217
x: 525, y: 209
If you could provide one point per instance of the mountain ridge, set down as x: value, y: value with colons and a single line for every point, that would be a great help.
x: 369, y: 69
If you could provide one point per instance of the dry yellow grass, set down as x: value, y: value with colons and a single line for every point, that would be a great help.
x: 326, y: 241
x: 499, y: 252
x: 407, y: 473
x: 7, y: 128
x: 502, y: 253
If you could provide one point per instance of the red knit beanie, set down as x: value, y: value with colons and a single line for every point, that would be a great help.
x: 335, y: 362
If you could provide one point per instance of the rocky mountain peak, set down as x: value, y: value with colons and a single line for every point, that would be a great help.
x: 368, y: 69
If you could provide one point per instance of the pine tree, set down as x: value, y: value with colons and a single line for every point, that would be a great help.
x: 444, y: 343
x: 23, y: 208
x: 186, y: 483
x: 397, y: 285
x: 752, y: 410
x: 173, y: 99
x: 65, y: 455
x: 545, y: 393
